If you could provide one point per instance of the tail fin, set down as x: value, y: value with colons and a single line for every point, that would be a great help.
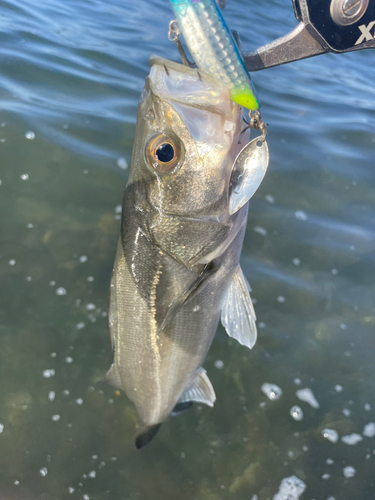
x: 145, y: 437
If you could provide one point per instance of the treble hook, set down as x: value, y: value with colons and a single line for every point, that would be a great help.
x: 174, y: 36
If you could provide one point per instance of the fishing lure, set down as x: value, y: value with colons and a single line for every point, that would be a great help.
x: 214, y: 49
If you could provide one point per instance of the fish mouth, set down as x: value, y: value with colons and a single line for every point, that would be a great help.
x: 203, y: 105
x: 177, y: 83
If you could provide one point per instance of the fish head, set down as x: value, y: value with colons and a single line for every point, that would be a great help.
x: 188, y: 138
x: 188, y: 135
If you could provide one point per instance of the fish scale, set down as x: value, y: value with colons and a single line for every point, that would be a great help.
x: 214, y: 49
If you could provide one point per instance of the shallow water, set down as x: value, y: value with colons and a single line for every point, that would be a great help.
x: 71, y: 74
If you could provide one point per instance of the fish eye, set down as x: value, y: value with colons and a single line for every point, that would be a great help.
x: 163, y: 153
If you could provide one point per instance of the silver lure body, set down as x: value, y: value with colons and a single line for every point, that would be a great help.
x: 179, y: 247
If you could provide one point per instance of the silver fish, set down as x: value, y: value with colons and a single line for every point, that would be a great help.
x: 177, y: 264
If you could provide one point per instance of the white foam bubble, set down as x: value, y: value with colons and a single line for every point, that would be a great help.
x: 79, y: 401
x: 349, y: 471
x: 296, y: 413
x: 60, y: 291
x: 83, y: 259
x: 260, y: 230
x: 331, y: 435
x: 272, y: 391
x: 51, y: 395
x: 12, y: 262
x: 122, y: 163
x: 43, y: 471
x: 338, y: 388
x: 369, y: 430
x: 296, y: 262
x: 300, y: 215
x: 351, y: 439
x: 24, y: 177
x: 269, y: 198
x: 1, y: 428
x: 30, y: 135
x: 92, y: 474
x: 219, y: 364
x: 307, y: 396
x: 291, y: 488
x: 56, y: 418
x: 48, y: 373
x: 90, y: 307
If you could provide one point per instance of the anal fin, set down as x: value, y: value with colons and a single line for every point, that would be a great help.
x: 200, y: 391
x: 238, y: 315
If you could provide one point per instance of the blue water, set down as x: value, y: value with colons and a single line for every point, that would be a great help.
x: 71, y: 75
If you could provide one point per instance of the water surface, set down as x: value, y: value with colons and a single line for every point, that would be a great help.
x: 71, y: 75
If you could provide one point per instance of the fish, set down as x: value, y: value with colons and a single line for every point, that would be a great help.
x: 176, y: 270
x: 214, y: 48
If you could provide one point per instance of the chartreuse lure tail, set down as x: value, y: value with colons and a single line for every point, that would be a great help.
x: 213, y: 48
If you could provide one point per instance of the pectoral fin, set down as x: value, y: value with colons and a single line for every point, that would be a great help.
x: 208, y: 270
x: 201, y: 390
x: 238, y: 315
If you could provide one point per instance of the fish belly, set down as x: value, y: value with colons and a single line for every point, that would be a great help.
x: 154, y: 365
